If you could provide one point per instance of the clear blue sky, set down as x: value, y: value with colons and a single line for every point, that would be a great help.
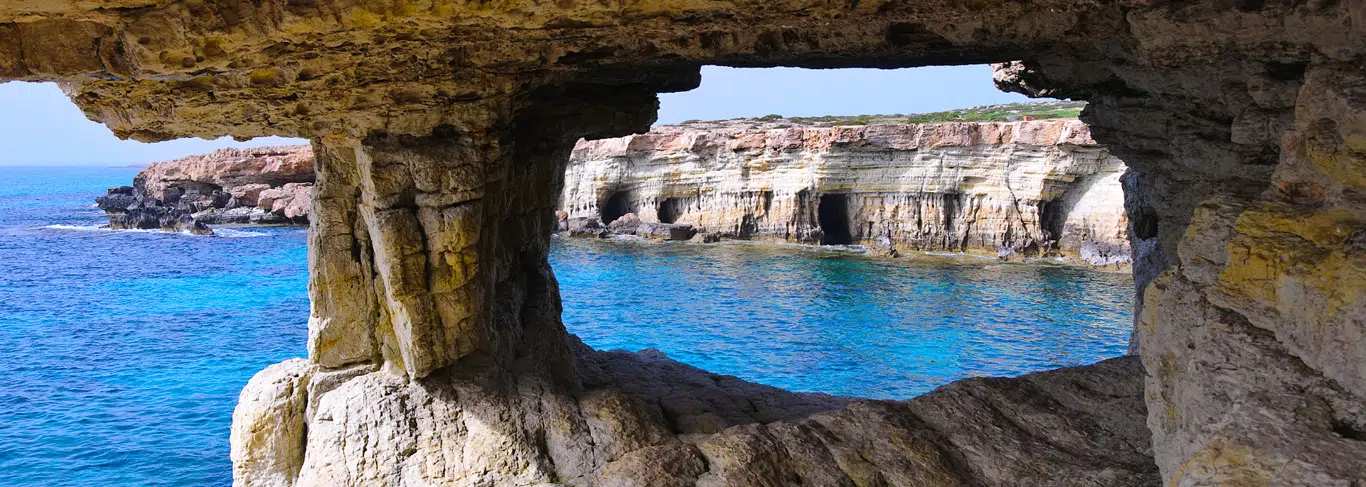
x: 795, y: 92
x: 40, y: 126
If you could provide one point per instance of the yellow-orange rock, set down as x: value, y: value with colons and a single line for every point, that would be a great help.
x: 444, y: 127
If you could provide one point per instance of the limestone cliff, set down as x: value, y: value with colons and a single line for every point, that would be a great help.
x: 443, y: 129
x: 1030, y: 186
x: 264, y: 185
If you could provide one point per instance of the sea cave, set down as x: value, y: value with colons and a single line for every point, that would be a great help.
x: 442, y: 131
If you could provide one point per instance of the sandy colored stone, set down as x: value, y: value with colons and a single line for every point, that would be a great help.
x: 1073, y: 426
x: 292, y: 200
x: 268, y: 425
x: 1240, y: 123
x: 249, y: 194
x: 1036, y: 187
x: 231, y: 168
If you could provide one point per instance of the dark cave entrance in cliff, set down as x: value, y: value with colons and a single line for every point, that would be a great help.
x: 732, y: 161
x: 832, y: 215
x: 668, y: 210
x: 616, y: 206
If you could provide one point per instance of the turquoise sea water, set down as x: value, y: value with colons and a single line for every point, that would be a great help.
x: 123, y: 352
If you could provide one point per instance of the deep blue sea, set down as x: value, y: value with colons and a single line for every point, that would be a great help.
x: 123, y: 352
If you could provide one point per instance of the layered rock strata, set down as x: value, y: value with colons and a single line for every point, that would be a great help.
x: 1033, y: 187
x: 265, y: 185
x: 448, y: 126
x: 642, y: 419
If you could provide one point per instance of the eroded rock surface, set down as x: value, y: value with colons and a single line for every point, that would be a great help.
x: 129, y: 210
x: 264, y: 185
x: 447, y: 126
x: 1030, y: 187
x: 642, y: 419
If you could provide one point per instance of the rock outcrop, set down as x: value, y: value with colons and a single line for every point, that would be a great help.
x: 642, y: 419
x: 265, y: 185
x: 443, y: 130
x: 1031, y: 187
x: 129, y: 210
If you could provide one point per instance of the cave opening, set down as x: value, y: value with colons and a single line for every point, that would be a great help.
x: 1052, y: 219
x: 1145, y: 223
x: 1189, y: 108
x: 832, y: 215
x: 668, y: 210
x: 617, y: 205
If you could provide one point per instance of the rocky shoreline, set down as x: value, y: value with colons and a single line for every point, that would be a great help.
x: 1015, y: 190
x: 1241, y: 123
x: 1018, y: 190
x: 260, y: 186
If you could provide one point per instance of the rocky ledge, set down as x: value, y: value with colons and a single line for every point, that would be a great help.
x: 641, y: 419
x: 265, y: 185
x: 1024, y: 188
x: 443, y: 130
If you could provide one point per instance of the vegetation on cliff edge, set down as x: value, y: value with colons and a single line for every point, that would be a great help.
x: 990, y: 113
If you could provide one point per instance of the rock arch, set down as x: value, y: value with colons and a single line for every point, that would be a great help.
x: 442, y: 127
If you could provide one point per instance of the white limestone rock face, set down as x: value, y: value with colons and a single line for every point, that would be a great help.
x: 268, y: 426
x: 1032, y: 186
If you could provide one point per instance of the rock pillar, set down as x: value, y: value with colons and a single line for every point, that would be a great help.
x: 421, y: 254
x: 430, y: 250
x: 437, y: 355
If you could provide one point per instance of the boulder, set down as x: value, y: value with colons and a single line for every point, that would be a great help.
x: 705, y: 238
x: 141, y: 216
x: 584, y: 227
x: 117, y: 200
x: 681, y: 232
x: 248, y: 194
x: 292, y: 201
x: 626, y: 224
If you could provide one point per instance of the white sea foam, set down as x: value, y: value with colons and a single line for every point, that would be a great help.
x: 960, y: 255
x: 637, y: 238
x: 98, y: 228
x: 74, y: 227
x: 846, y: 249
x: 230, y: 233
x: 220, y: 232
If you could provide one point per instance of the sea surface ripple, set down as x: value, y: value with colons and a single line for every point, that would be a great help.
x: 124, y: 351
